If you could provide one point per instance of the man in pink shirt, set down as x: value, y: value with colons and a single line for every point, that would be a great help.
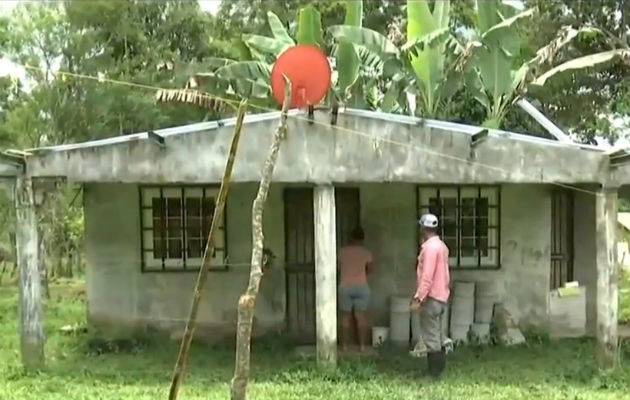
x: 432, y: 292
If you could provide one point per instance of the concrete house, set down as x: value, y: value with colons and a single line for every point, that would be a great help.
x: 528, y: 213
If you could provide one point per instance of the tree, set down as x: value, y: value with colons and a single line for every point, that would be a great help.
x: 129, y: 41
x: 584, y: 100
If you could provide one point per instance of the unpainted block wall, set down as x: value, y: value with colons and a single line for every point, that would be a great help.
x: 120, y: 297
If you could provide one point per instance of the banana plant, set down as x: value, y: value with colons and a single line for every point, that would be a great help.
x: 420, y: 67
x: 492, y: 80
x: 493, y: 77
x: 353, y: 69
x: 251, y: 79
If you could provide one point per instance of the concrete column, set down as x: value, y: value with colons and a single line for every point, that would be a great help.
x: 325, y: 274
x: 607, y: 276
x: 30, y: 295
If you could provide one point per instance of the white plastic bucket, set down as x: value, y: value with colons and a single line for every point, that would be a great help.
x: 399, y: 320
x: 380, y: 335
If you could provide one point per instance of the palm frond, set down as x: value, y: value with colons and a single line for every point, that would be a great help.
x: 191, y: 96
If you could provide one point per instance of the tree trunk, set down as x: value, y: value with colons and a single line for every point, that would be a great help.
x: 180, y: 365
x: 247, y: 301
x: 14, y: 256
x: 31, y: 326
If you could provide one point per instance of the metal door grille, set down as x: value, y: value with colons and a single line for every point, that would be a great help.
x: 561, y: 239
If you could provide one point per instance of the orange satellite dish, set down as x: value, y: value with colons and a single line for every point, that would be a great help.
x: 308, y: 70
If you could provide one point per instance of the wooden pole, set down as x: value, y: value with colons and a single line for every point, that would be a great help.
x: 30, y: 294
x: 180, y: 365
x: 325, y: 274
x: 247, y: 301
x: 607, y: 277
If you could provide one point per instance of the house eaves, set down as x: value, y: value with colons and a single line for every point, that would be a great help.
x: 363, y: 146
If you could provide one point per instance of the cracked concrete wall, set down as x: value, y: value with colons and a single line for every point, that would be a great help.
x: 389, y: 216
x: 120, y: 296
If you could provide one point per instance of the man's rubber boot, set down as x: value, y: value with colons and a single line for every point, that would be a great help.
x: 436, y: 362
x: 440, y: 364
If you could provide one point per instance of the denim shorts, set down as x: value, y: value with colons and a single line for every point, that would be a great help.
x: 354, y: 296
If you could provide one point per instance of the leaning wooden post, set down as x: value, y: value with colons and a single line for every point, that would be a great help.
x: 30, y: 294
x: 325, y: 274
x: 247, y: 302
x: 180, y: 365
x: 607, y: 277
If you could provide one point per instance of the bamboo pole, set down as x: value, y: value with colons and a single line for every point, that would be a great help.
x: 180, y: 365
x: 247, y: 301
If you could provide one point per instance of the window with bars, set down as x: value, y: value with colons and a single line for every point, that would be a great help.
x: 469, y: 222
x: 175, y: 226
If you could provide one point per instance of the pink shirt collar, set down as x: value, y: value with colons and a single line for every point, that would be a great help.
x: 432, y: 238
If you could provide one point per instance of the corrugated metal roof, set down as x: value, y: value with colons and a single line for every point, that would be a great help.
x: 253, y: 118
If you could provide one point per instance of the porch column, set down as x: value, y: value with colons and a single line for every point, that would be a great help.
x: 607, y: 276
x: 325, y: 274
x: 30, y: 293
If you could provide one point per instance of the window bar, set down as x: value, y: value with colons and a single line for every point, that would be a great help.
x: 183, y: 225
x: 458, y: 230
x: 477, y: 236
x: 142, y: 249
x: 204, y: 236
x: 440, y: 209
x: 498, y: 229
x: 164, y: 235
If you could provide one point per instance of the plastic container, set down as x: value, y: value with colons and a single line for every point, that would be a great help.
x: 399, y: 320
x: 380, y: 335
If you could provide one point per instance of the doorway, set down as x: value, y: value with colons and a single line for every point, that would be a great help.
x: 300, y: 256
x: 561, y: 238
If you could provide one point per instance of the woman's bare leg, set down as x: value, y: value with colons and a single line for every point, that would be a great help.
x: 346, y: 329
x: 361, y: 328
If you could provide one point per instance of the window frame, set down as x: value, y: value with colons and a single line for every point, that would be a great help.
x: 184, y: 263
x: 478, y: 262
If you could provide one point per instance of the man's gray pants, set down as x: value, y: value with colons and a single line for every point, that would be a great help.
x: 431, y: 314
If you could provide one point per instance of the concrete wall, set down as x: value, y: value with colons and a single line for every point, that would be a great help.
x: 120, y: 296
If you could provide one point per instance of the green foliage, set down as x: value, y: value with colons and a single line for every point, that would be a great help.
x: 131, y: 41
x: 578, y: 99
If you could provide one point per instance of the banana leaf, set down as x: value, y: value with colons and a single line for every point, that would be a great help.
x: 347, y: 59
x: 589, y: 61
x: 278, y: 30
x: 310, y: 27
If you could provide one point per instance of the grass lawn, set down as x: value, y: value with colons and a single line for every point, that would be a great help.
x: 540, y: 370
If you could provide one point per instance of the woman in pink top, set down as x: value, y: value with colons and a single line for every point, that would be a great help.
x: 355, y: 263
